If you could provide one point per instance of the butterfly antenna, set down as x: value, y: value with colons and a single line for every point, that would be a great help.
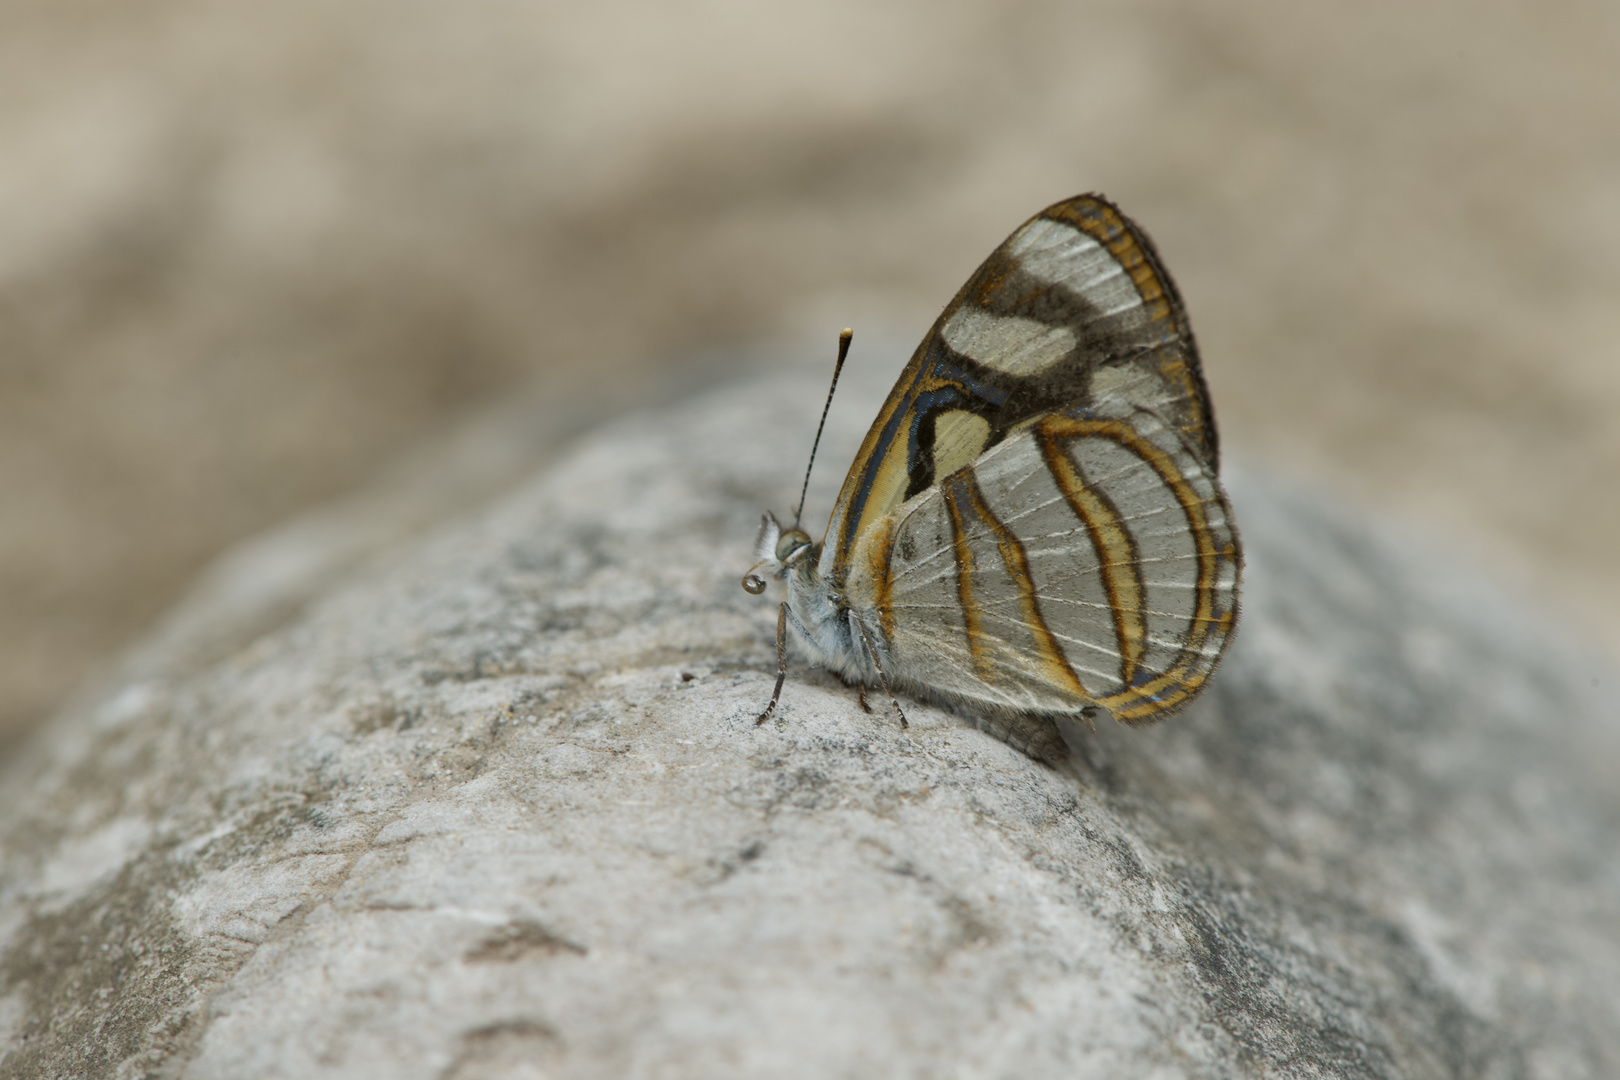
x: 843, y: 351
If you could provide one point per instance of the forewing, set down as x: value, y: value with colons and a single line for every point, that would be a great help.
x: 1073, y: 308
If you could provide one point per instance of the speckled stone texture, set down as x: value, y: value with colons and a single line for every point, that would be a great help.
x: 493, y: 805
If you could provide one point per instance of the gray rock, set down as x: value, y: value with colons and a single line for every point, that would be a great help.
x: 492, y: 804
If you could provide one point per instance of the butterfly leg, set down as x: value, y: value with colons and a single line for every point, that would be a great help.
x: 866, y: 638
x: 861, y: 689
x: 781, y: 664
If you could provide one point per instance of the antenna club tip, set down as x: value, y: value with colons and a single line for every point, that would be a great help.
x: 845, y: 334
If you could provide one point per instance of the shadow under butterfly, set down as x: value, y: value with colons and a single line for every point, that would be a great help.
x: 1034, y: 526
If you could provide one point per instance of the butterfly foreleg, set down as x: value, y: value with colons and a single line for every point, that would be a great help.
x: 866, y: 640
x: 781, y: 664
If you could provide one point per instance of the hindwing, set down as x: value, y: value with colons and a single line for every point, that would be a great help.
x: 1089, y: 558
x: 1073, y: 307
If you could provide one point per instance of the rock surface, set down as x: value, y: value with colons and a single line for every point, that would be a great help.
x: 494, y: 806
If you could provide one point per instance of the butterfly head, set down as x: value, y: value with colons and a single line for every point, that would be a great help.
x: 778, y: 550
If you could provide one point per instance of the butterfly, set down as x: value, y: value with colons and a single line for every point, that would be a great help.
x: 1034, y: 527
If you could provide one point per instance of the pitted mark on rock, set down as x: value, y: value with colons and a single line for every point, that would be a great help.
x: 520, y: 939
x: 517, y: 1047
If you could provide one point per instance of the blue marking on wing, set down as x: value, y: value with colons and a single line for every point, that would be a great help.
x: 942, y: 365
x: 880, y: 450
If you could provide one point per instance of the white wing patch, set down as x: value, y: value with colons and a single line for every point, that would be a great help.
x: 1060, y: 254
x: 1009, y: 343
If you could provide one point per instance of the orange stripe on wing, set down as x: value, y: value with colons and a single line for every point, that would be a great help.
x: 962, y: 487
x: 878, y: 553
x: 972, y: 615
x: 1116, y: 553
x: 1183, y: 679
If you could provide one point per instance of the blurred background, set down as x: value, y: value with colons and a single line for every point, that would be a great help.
x: 250, y: 253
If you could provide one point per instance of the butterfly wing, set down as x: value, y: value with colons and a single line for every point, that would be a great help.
x: 1072, y: 305
x: 1035, y: 517
x: 1089, y: 558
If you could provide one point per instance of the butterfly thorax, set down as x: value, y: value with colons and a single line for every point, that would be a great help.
x: 819, y: 620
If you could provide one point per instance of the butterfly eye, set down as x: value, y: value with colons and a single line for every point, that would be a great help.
x: 753, y: 584
x: 792, y: 542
